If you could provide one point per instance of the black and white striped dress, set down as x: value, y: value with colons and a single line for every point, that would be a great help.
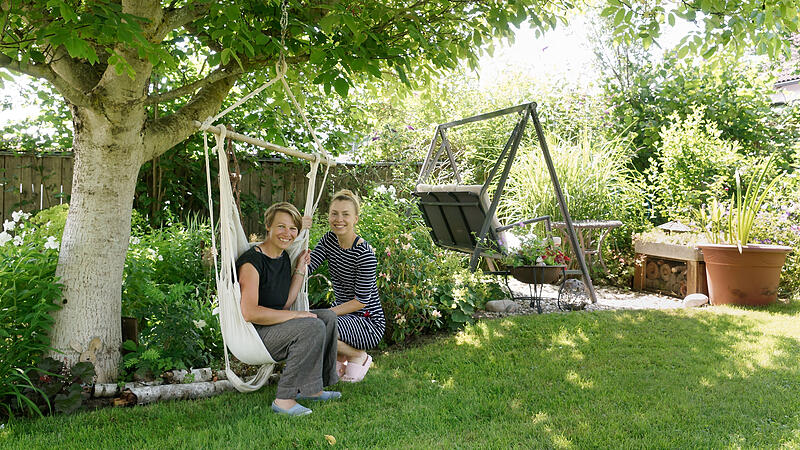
x: 352, y: 272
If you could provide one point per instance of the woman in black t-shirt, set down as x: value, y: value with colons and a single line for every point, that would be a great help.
x: 305, y: 339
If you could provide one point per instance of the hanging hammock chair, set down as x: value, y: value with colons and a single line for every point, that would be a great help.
x: 239, y: 336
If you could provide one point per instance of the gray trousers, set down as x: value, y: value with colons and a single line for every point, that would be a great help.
x: 309, y: 348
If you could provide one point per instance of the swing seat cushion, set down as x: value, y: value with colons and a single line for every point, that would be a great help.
x: 455, y: 214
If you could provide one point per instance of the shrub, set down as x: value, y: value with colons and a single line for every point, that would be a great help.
x: 779, y: 223
x: 694, y: 164
x: 595, y: 181
x: 29, y: 292
x: 422, y: 287
x: 170, y: 290
x: 58, y: 388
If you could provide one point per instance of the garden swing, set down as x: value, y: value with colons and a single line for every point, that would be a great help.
x: 462, y: 217
x: 238, y: 335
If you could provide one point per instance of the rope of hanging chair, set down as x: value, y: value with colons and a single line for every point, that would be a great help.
x: 228, y: 284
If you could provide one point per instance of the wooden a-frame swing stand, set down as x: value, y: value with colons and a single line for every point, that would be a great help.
x: 460, y: 216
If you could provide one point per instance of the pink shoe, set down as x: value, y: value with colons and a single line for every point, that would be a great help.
x: 340, y: 368
x: 356, y: 372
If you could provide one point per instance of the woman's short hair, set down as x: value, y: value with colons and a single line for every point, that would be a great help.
x: 286, y: 207
x: 347, y: 195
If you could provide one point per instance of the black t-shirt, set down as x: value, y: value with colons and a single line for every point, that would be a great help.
x: 274, y: 277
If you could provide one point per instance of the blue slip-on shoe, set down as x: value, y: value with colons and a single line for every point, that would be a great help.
x: 296, y: 410
x: 325, y: 396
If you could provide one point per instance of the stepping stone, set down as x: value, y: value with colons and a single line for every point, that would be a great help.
x: 504, y: 306
x: 695, y: 300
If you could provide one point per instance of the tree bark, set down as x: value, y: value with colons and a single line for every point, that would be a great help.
x: 108, y: 154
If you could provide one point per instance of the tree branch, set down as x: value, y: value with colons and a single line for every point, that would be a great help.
x: 164, y: 133
x: 70, y: 93
x: 176, y: 18
x: 191, y: 88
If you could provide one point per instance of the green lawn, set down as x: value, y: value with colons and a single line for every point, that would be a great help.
x: 708, y: 378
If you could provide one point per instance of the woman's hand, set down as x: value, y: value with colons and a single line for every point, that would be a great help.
x: 303, y: 314
x: 302, y: 263
x: 307, y: 222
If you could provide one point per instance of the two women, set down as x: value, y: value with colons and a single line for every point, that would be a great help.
x: 320, y: 345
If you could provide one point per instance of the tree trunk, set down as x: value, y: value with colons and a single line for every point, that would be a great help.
x: 95, y: 240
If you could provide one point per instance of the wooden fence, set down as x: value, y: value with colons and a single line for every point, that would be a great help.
x: 31, y: 183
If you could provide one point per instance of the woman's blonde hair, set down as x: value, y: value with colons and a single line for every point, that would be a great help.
x: 286, y: 207
x: 347, y: 195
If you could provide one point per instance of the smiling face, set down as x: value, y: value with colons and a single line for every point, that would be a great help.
x: 281, y: 232
x: 342, y: 218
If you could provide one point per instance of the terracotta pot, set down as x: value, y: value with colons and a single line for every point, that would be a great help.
x: 747, y: 278
x: 537, y: 274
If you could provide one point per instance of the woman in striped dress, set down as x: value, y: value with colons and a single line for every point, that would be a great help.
x: 352, y: 266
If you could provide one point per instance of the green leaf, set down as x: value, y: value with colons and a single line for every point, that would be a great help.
x: 459, y: 316
x: 342, y: 86
x: 316, y: 56
x: 70, y: 402
x: 619, y: 17
x: 327, y: 23
x: 67, y: 13
x: 84, y: 371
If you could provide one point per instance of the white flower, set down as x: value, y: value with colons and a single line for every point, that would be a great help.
x: 4, y: 238
x: 17, y: 240
x: 9, y: 225
x: 134, y: 240
x: 199, y: 323
x: 436, y: 314
x: 160, y: 258
x: 51, y: 243
x: 215, y: 311
x: 17, y: 215
x: 406, y: 246
x: 400, y: 319
x: 381, y: 189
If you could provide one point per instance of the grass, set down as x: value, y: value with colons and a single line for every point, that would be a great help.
x: 710, y: 378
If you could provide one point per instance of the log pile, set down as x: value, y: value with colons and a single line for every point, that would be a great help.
x: 173, y: 385
x: 666, y: 276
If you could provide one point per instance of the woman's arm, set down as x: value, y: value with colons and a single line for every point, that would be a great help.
x: 348, y: 307
x: 297, y: 279
x: 252, y: 311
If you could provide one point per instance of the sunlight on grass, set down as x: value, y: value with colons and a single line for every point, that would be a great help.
x: 475, y: 334
x: 607, y: 379
x: 577, y: 380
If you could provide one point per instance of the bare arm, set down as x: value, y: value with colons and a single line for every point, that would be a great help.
x: 260, y: 315
x: 348, y: 307
x: 297, y: 279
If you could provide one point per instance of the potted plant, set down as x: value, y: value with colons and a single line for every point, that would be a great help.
x: 739, y: 271
x: 536, y: 260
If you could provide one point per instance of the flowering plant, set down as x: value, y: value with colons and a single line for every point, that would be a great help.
x: 735, y: 224
x: 535, y: 251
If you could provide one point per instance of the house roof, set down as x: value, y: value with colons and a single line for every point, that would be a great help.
x: 790, y: 73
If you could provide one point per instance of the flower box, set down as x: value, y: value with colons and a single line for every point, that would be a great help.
x: 537, y: 274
